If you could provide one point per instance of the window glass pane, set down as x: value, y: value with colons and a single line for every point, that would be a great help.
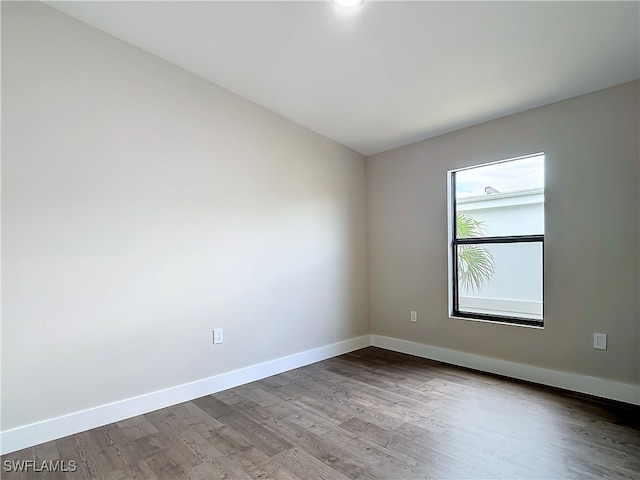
x: 501, y: 199
x: 501, y: 279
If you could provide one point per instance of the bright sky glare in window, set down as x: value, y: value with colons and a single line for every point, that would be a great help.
x: 524, y: 174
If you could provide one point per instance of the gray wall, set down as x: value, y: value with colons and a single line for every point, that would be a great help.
x: 592, y: 236
x: 143, y: 206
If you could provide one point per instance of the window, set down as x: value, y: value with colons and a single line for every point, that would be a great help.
x: 496, y: 241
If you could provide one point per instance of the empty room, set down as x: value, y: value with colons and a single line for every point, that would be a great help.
x: 320, y: 240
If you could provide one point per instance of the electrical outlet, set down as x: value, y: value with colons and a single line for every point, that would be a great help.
x: 600, y: 341
x: 414, y: 316
x: 217, y: 336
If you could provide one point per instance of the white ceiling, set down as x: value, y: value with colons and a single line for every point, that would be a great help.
x: 390, y: 73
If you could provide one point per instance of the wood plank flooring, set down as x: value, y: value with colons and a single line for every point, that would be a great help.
x: 371, y: 414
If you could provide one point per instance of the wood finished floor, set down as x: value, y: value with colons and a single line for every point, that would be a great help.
x: 371, y: 414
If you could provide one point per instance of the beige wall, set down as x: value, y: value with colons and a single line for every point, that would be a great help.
x: 592, y: 236
x: 143, y: 206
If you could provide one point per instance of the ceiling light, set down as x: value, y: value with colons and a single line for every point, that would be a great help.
x: 348, y: 3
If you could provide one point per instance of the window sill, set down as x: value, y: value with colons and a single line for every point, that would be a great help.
x: 498, y: 322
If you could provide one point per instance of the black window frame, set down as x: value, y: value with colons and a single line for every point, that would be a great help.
x: 507, y: 239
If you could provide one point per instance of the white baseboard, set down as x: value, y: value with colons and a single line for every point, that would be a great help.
x: 54, y: 428
x: 599, y: 387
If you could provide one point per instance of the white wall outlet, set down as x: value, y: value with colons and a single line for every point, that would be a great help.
x: 414, y: 316
x: 217, y: 336
x: 600, y: 341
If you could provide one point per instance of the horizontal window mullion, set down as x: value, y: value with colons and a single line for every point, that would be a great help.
x: 508, y: 239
